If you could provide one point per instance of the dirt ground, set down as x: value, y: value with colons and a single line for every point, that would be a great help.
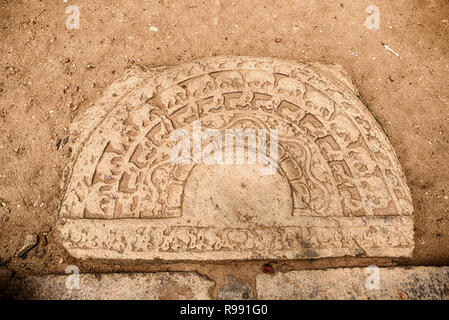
x: 49, y: 75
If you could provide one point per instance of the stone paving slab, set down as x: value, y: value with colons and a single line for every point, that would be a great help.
x: 356, y: 283
x: 137, y: 286
x: 341, y: 284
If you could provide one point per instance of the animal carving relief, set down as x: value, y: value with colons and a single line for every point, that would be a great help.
x: 338, y: 188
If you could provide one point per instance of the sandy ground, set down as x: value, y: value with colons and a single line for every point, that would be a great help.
x: 45, y: 82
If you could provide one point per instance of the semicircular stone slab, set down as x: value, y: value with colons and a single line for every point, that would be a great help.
x: 338, y: 189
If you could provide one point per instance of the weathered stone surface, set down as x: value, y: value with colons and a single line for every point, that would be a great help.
x: 338, y: 190
x: 137, y: 286
x: 356, y: 283
x: 235, y: 289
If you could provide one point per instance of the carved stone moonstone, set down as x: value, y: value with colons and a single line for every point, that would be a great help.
x: 338, y: 190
